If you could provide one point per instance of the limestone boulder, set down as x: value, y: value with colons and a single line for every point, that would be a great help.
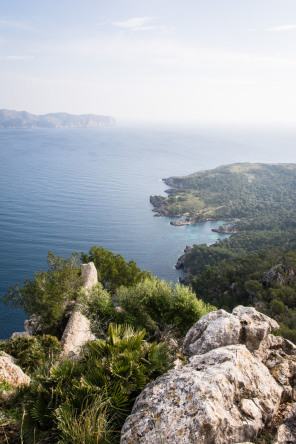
x: 89, y: 275
x: 244, y: 325
x: 76, y: 334
x: 19, y: 334
x: 33, y: 325
x: 10, y: 372
x: 279, y: 356
x: 223, y: 396
x: 286, y: 433
x: 216, y: 329
x: 78, y: 330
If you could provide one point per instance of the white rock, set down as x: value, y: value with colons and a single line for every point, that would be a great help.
x: 223, y: 396
x: 89, y: 275
x: 215, y: 329
x: 10, y: 372
x: 286, y: 433
x: 244, y: 325
x: 19, y: 334
x: 78, y: 332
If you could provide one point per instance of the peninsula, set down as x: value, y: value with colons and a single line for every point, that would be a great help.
x: 256, y: 264
x: 24, y: 119
x: 256, y: 201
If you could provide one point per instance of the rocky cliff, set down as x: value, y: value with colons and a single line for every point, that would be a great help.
x: 237, y: 378
x: 23, y: 119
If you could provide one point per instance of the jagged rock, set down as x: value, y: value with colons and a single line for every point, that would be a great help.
x: 279, y: 356
x: 19, y: 334
x: 33, y: 325
x: 89, y: 275
x: 181, y: 259
x: 237, y: 377
x: 286, y: 433
x: 78, y: 332
x: 216, y: 329
x: 273, y: 274
x: 10, y: 372
x: 223, y: 396
x: 244, y: 325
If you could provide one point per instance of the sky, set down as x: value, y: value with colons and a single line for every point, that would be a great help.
x: 215, y: 62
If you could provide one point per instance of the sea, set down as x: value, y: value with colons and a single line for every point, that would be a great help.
x: 67, y: 190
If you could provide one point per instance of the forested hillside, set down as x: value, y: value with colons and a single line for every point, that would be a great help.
x: 258, y: 201
x: 256, y: 264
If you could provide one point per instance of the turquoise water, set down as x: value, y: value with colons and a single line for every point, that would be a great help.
x: 69, y: 189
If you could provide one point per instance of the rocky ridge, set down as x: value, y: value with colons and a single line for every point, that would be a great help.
x: 237, y: 377
x: 23, y: 119
x: 78, y: 331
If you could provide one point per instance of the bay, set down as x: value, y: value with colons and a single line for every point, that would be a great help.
x: 66, y: 190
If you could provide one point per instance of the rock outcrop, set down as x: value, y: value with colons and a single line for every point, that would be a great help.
x: 10, y: 372
x: 33, y: 325
x: 89, y: 275
x: 181, y: 260
x: 237, y: 376
x: 244, y: 325
x: 78, y: 332
x: 286, y: 433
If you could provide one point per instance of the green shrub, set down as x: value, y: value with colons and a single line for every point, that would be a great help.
x: 90, y: 426
x: 48, y: 294
x: 32, y: 351
x: 98, y: 306
x: 113, y: 270
x: 98, y: 390
x: 157, y: 305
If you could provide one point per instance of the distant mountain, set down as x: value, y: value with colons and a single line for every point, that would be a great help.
x: 23, y: 119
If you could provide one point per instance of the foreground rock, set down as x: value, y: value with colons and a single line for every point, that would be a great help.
x: 244, y: 325
x: 78, y: 332
x: 287, y: 431
x: 237, y: 377
x: 10, y: 372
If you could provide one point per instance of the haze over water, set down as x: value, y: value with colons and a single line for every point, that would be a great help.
x: 66, y: 190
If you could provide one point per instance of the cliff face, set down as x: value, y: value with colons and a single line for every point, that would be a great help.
x: 237, y: 379
x: 23, y: 119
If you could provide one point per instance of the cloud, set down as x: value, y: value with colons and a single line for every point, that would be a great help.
x: 135, y: 23
x: 281, y: 28
x: 142, y: 24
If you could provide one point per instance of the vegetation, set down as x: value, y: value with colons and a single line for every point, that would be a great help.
x: 259, y: 200
x: 266, y: 280
x: 49, y: 293
x: 113, y: 270
x: 87, y: 400
x: 32, y: 351
x: 94, y: 393
x: 156, y: 305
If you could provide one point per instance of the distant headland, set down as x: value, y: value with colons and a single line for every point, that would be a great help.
x: 23, y: 119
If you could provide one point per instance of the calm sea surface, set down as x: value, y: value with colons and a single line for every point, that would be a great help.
x: 66, y: 190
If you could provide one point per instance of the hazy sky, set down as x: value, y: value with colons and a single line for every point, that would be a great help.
x: 209, y: 61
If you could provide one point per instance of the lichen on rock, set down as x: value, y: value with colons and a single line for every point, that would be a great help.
x: 237, y: 376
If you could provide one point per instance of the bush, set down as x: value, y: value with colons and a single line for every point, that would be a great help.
x: 98, y: 306
x: 113, y: 270
x: 157, y: 305
x: 97, y: 391
x: 32, y: 351
x: 48, y: 294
